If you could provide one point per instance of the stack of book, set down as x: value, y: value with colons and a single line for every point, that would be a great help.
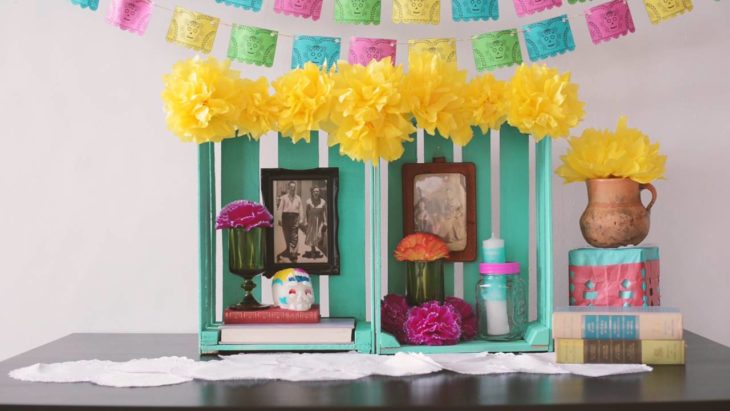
x: 280, y: 326
x: 638, y: 335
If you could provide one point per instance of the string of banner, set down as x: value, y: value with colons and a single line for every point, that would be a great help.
x: 492, y: 50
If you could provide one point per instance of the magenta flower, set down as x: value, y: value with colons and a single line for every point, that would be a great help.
x: 244, y: 214
x: 468, y: 318
x: 433, y: 324
x: 393, y: 314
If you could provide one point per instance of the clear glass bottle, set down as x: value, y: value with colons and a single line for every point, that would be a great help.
x: 501, y: 302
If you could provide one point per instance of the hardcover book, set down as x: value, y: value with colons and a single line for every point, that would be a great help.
x: 272, y: 315
x: 327, y: 331
x: 573, y: 351
x: 618, y: 323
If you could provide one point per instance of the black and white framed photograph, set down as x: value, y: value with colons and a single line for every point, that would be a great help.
x: 304, y: 206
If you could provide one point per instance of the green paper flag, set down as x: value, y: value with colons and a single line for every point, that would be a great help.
x: 253, y: 45
x: 357, y: 11
x: 496, y: 49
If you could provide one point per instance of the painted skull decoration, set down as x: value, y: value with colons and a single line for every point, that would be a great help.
x: 291, y: 289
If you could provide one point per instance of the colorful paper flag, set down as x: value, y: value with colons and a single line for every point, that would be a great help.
x: 86, y: 4
x: 253, y: 45
x: 446, y: 48
x: 497, y: 49
x: 465, y: 10
x: 548, y: 38
x: 364, y: 50
x: 253, y: 5
x: 194, y: 30
x: 357, y: 11
x: 316, y: 49
x: 609, y: 21
x: 130, y: 15
x: 662, y: 10
x: 525, y: 7
x: 417, y: 11
x: 308, y: 9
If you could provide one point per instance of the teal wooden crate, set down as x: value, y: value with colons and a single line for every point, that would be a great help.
x: 514, y: 226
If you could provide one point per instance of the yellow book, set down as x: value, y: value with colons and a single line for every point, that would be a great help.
x: 575, y: 351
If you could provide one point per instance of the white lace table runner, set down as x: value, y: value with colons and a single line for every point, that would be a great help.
x: 152, y: 372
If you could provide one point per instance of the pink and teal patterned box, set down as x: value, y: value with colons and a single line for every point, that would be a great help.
x: 627, y: 277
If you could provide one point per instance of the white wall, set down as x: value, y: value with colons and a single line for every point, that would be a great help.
x: 98, y: 223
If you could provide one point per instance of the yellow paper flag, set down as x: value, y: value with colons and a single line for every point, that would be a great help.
x: 661, y: 10
x: 445, y: 48
x: 417, y: 11
x: 194, y: 30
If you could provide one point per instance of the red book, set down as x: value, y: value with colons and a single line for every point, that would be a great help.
x: 272, y: 315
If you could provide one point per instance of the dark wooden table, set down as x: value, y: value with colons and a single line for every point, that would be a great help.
x: 704, y: 383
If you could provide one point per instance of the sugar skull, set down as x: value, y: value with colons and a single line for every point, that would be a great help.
x: 192, y: 29
x: 476, y: 6
x: 291, y: 289
x: 416, y: 6
x: 669, y: 4
x: 372, y: 53
x: 550, y: 38
x: 358, y: 6
x: 498, y: 49
x: 252, y: 45
x: 611, y: 20
x: 316, y: 55
x: 130, y: 12
x: 297, y: 4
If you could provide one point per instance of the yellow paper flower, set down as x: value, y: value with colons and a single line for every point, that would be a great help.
x: 203, y: 99
x: 303, y: 100
x: 486, y: 97
x: 543, y: 102
x: 435, y: 95
x: 258, y: 112
x: 625, y: 153
x: 369, y: 118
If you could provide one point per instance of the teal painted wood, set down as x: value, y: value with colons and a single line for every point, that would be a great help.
x: 544, y: 234
x: 396, y: 269
x: 515, y: 197
x: 376, y: 273
x: 437, y: 146
x: 347, y: 290
x: 301, y: 156
x: 240, y: 179
x: 206, y: 233
x: 478, y: 151
x: 467, y: 347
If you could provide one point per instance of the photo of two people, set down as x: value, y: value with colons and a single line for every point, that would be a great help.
x: 300, y: 221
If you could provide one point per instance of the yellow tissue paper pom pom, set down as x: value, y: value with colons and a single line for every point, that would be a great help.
x: 543, y: 102
x: 303, y: 100
x: 486, y: 97
x: 435, y: 96
x: 203, y: 99
x: 625, y: 153
x: 258, y: 113
x: 369, y: 119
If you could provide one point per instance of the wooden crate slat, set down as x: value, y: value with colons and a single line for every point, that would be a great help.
x: 206, y: 227
x: 478, y: 151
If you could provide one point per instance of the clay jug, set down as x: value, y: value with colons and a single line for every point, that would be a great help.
x: 615, y: 215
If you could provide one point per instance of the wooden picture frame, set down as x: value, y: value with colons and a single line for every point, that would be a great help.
x: 304, y: 206
x: 440, y: 198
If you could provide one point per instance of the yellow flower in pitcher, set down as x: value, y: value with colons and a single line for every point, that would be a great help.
x: 486, y: 97
x: 202, y: 100
x: 543, y: 102
x: 258, y: 113
x: 435, y: 96
x: 625, y: 153
x: 303, y: 100
x: 369, y: 118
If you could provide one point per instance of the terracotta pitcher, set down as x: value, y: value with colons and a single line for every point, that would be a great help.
x: 615, y: 215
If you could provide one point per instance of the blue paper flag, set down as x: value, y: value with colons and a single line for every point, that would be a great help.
x: 91, y: 4
x: 548, y: 38
x: 254, y: 5
x: 315, y: 49
x: 466, y: 10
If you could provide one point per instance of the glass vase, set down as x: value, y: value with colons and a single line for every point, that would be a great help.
x: 424, y: 281
x: 247, y: 258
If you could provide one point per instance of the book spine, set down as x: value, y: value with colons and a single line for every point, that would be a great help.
x: 575, y: 351
x: 647, y: 326
x: 270, y: 317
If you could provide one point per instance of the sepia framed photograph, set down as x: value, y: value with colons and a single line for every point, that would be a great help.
x: 304, y: 206
x: 440, y: 198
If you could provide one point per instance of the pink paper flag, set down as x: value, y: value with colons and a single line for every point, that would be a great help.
x: 130, y: 15
x: 525, y: 7
x: 302, y: 8
x: 609, y: 21
x: 364, y: 50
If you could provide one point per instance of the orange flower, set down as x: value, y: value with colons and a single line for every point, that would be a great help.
x: 421, y: 247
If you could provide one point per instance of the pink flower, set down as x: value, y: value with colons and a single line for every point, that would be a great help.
x: 433, y: 324
x: 393, y: 314
x: 468, y: 318
x: 244, y: 214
